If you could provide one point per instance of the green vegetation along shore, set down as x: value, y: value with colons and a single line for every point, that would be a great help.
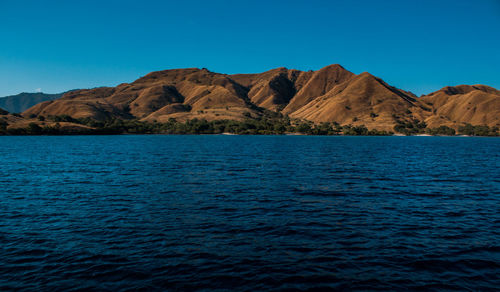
x: 269, y: 125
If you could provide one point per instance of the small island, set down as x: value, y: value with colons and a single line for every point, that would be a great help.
x: 329, y: 101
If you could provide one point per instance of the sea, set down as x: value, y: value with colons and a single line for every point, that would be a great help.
x: 249, y: 213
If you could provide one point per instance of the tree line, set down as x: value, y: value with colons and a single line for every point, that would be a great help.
x: 269, y: 124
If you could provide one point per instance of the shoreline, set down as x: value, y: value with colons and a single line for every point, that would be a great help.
x: 234, y: 134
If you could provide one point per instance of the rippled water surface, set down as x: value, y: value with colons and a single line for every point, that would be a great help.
x: 249, y: 213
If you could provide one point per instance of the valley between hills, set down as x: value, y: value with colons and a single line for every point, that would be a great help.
x: 329, y: 101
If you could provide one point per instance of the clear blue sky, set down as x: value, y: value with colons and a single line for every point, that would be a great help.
x: 419, y: 46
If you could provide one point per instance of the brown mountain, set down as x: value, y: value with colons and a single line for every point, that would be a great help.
x: 329, y: 94
x: 362, y: 99
x: 473, y: 104
x: 181, y: 94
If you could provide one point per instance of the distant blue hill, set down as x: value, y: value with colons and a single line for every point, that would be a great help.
x: 20, y: 102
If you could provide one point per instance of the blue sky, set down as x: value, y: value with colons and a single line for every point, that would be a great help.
x: 419, y: 46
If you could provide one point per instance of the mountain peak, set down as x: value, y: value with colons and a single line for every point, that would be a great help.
x: 334, y: 66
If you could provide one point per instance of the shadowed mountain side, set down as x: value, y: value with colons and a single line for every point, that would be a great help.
x: 23, y: 101
x: 273, y: 89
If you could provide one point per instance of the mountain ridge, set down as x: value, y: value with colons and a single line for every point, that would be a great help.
x: 330, y: 94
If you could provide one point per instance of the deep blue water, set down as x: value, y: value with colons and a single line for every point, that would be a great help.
x: 249, y: 213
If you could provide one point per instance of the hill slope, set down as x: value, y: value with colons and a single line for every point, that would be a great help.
x: 473, y: 104
x: 180, y: 93
x: 362, y: 99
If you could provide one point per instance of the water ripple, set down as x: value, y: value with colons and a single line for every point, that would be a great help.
x: 249, y: 213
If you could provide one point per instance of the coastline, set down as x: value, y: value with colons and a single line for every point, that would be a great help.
x: 235, y: 134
